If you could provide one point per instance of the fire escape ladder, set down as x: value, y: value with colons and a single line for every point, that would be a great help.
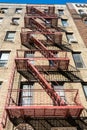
x: 47, y: 87
x: 37, y: 11
x: 42, y: 47
x: 39, y: 25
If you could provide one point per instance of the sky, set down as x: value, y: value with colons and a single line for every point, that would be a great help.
x: 43, y: 1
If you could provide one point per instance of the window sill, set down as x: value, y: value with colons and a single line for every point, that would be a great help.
x: 9, y: 41
x: 3, y: 67
x: 85, y: 68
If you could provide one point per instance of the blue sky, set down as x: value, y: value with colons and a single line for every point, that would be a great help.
x: 44, y: 1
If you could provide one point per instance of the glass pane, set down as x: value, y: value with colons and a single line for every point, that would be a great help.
x: 78, y: 60
x: 85, y: 21
x: 3, y: 63
x: 30, y: 55
x: 59, y: 90
x: 18, y: 10
x: 26, y: 101
x: 61, y: 12
x: 64, y: 23
x: 26, y: 91
x: 85, y: 89
x: 11, y: 34
x: 70, y: 36
x: 76, y: 57
x: 4, y: 56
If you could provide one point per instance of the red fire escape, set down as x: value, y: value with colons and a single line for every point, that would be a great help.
x: 59, y: 107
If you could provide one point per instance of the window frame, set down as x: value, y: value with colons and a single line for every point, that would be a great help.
x: 64, y: 24
x: 81, y: 11
x: 60, y: 11
x: 71, y: 36
x: 18, y: 12
x: 9, y: 38
x: 60, y: 86
x: 15, y: 21
x: 29, y: 55
x: 5, y: 10
x: 23, y: 95
x: 4, y: 61
x: 81, y: 60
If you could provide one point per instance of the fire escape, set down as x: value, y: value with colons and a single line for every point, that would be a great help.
x: 40, y: 24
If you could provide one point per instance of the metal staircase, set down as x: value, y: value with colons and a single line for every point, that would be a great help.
x: 51, y: 92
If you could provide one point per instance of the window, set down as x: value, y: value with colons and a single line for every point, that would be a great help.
x: 3, y: 58
x: 26, y: 95
x: 30, y: 55
x: 10, y: 36
x: 59, y: 88
x: 4, y: 10
x: 52, y: 62
x: 71, y: 38
x: 85, y: 89
x: 48, y: 23
x: 1, y: 19
x: 18, y: 10
x: 46, y: 11
x: 15, y: 21
x: 61, y: 12
x: 64, y: 22
x: 81, y: 12
x: 78, y: 60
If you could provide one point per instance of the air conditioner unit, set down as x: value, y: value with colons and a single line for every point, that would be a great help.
x: 72, y: 41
